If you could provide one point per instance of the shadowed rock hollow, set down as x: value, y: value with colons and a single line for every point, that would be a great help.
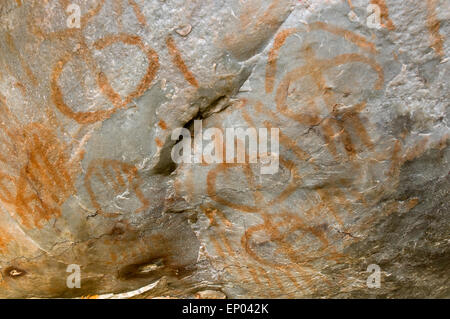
x: 86, y: 175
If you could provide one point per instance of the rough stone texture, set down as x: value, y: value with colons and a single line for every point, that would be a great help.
x: 86, y: 176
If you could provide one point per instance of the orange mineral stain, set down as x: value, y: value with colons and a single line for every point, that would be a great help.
x: 357, y: 39
x: 433, y: 24
x: 42, y: 179
x: 385, y: 20
x: 23, y: 63
x: 179, y: 62
x: 162, y: 124
x: 117, y: 175
x: 5, y: 238
x: 137, y: 11
x: 271, y: 68
x: 281, y: 37
x: 159, y: 142
x: 102, y: 81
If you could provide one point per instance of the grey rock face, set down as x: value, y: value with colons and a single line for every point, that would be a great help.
x: 86, y: 175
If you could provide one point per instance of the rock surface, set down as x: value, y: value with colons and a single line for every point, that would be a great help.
x: 86, y: 176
